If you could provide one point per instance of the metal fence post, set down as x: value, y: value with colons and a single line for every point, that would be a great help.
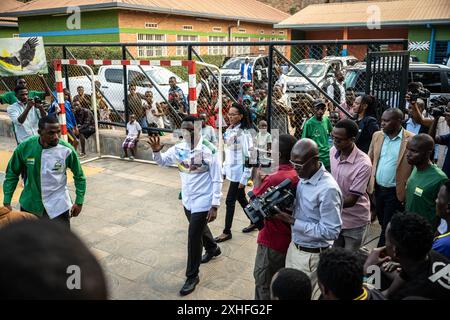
x: 270, y: 89
x: 125, y: 86
x: 189, y: 53
x: 66, y: 73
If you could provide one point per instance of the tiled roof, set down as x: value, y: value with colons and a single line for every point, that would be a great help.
x: 405, y: 12
x: 244, y: 10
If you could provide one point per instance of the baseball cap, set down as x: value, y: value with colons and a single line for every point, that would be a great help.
x: 319, y: 103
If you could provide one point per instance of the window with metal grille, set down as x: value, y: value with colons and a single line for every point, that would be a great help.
x: 217, y: 50
x: 183, y: 50
x: 242, y: 49
x: 151, y: 51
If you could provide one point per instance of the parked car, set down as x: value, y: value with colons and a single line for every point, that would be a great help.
x: 346, y: 61
x: 434, y: 77
x: 111, y: 79
x: 231, y: 77
x: 317, y: 71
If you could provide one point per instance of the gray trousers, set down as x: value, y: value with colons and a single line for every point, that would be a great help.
x: 351, y: 239
x: 267, y: 263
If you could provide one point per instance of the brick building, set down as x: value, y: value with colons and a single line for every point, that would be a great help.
x: 153, y: 21
x: 426, y: 24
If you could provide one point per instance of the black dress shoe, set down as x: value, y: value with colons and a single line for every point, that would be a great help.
x: 223, y: 238
x: 189, y: 285
x: 209, y: 255
x: 250, y: 228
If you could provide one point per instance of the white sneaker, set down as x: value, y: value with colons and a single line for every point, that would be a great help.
x: 131, y: 158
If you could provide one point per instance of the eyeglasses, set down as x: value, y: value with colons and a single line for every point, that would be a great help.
x: 298, y: 166
x: 338, y: 140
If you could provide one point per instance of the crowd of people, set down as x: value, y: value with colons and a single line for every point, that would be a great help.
x: 344, y: 173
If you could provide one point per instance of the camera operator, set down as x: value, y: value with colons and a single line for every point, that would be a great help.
x: 316, y: 221
x: 274, y: 238
x: 25, y: 114
x: 417, y: 122
x: 442, y: 110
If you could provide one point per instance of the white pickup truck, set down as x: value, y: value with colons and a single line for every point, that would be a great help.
x: 111, y: 80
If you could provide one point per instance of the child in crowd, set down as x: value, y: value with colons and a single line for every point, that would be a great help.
x: 133, y: 133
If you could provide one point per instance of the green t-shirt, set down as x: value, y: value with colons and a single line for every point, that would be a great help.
x: 319, y: 131
x: 421, y: 191
x: 10, y: 97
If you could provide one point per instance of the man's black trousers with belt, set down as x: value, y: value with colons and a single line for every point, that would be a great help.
x: 199, y: 236
x: 387, y: 204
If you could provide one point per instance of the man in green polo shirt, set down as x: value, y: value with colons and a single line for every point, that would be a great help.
x: 10, y: 97
x: 318, y: 128
x: 426, y: 179
x: 46, y: 159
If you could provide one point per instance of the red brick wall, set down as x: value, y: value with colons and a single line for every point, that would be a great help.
x: 135, y: 19
x: 359, y: 51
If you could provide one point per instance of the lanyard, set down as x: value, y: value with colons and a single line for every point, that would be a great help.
x: 363, y: 296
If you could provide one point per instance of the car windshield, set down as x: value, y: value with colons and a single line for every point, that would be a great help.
x: 161, y: 76
x: 350, y: 78
x: 234, y: 63
x: 311, y: 70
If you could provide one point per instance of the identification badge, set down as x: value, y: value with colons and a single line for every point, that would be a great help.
x: 418, y: 191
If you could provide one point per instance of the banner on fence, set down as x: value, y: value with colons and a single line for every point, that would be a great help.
x: 22, y: 56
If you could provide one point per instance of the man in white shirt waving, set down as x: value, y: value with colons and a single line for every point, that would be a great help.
x: 201, y: 184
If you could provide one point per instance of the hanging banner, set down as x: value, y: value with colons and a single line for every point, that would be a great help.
x: 22, y: 56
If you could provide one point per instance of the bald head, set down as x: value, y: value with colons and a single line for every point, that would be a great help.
x: 420, y: 150
x: 305, y: 148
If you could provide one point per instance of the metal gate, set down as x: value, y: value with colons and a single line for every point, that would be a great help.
x: 386, y: 78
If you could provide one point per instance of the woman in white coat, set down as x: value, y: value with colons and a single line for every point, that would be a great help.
x: 238, y: 142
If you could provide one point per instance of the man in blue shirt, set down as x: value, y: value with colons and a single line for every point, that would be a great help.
x: 176, y: 97
x: 316, y: 220
x: 246, y: 72
x: 71, y: 122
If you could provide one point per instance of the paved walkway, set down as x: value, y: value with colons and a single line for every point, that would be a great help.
x: 133, y: 222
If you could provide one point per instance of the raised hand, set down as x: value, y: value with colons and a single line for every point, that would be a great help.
x: 155, y: 143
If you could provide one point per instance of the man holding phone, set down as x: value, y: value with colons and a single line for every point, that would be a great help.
x: 25, y: 114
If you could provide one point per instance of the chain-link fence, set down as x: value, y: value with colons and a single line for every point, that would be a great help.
x: 277, y: 81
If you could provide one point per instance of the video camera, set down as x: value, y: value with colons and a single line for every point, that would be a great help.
x: 417, y: 91
x: 279, y: 197
x: 438, y: 106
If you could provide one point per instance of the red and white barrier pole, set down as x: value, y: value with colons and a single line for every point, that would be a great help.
x: 192, y: 88
x: 60, y: 98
